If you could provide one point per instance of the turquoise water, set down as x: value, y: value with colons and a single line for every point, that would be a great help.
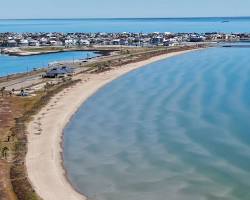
x: 18, y: 64
x: 240, y: 24
x: 177, y: 129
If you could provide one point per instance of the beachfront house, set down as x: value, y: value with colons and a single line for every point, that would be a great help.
x: 11, y: 43
x: 70, y: 42
x: 166, y: 42
x: 43, y: 41
x: 173, y: 42
x: 55, y: 43
x: 84, y: 42
x: 116, y: 42
x: 196, y: 38
x: 157, y: 40
x: 123, y: 41
x: 231, y: 37
x: 23, y: 43
x: 55, y: 73
x: 34, y: 43
x: 146, y: 41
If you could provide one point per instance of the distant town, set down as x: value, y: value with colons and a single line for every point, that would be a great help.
x: 127, y: 39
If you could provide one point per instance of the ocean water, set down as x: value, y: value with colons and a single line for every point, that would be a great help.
x: 200, y: 25
x: 19, y: 64
x: 177, y: 129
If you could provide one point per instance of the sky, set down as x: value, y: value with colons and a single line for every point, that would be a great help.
x: 25, y: 9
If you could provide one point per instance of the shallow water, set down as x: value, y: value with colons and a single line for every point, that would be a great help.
x: 177, y: 129
x: 200, y: 25
x: 18, y: 64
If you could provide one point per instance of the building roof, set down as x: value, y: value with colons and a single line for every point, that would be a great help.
x: 67, y: 69
x: 55, y: 71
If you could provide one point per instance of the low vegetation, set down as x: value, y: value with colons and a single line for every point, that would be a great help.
x: 15, y: 140
x: 41, y: 49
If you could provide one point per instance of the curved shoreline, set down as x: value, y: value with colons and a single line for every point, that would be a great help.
x: 44, y: 157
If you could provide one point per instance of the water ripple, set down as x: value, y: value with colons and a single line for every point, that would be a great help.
x: 177, y: 129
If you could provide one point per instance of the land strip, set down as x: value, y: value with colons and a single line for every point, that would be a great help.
x: 22, y: 109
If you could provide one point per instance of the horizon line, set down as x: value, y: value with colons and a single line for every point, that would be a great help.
x: 105, y: 18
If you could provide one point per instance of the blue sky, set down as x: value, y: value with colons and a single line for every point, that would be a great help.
x: 122, y: 8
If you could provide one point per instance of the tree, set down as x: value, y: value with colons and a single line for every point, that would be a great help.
x: 47, y: 86
x: 2, y: 90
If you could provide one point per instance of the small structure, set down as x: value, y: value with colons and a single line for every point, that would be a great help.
x: 23, y: 93
x: 55, y: 73
x: 59, y: 72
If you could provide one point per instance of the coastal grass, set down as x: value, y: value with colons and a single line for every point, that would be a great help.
x: 10, y: 108
x: 6, y: 191
x: 133, y: 55
x: 42, y: 49
x: 29, y: 51
x: 24, y: 108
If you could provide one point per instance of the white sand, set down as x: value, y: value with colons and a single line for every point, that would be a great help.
x: 44, y: 160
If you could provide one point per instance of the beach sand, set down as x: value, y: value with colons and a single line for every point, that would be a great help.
x: 44, y: 156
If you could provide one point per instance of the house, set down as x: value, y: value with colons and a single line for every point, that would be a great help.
x: 55, y: 43
x: 70, y: 42
x: 123, y: 42
x: 55, y: 73
x: 84, y: 42
x: 166, y: 42
x: 43, y: 41
x: 196, y: 38
x: 116, y: 42
x: 11, y: 43
x: 23, y: 43
x: 157, y: 40
x: 69, y: 71
x: 59, y: 72
x: 34, y: 43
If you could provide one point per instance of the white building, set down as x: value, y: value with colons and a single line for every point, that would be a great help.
x: 84, y: 42
x: 34, y: 43
x: 23, y: 43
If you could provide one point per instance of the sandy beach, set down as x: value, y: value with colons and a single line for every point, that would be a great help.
x: 44, y: 159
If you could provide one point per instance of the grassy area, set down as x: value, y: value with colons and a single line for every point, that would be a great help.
x: 42, y: 49
x: 6, y: 191
x: 10, y: 109
x: 23, y: 108
x: 130, y: 56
